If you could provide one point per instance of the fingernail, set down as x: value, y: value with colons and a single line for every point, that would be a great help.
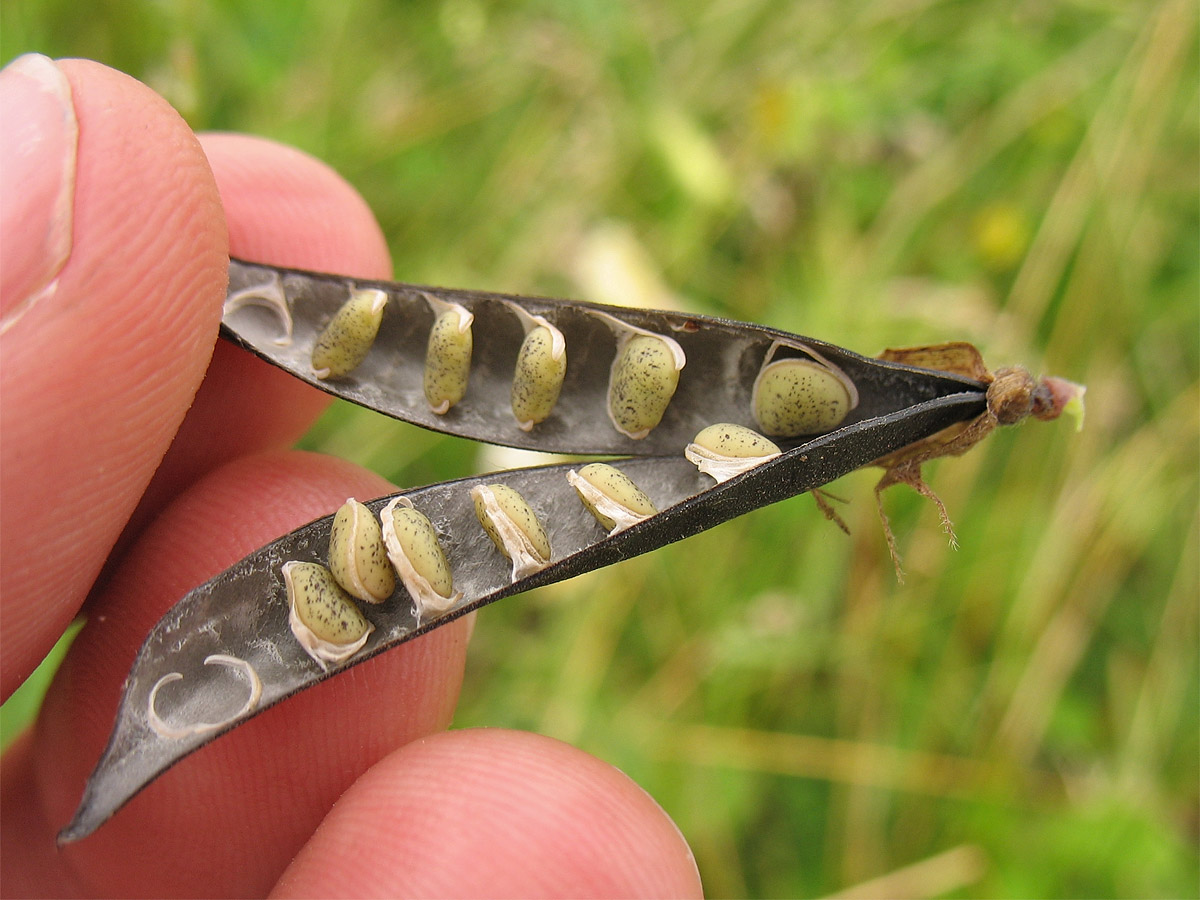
x: 38, y: 139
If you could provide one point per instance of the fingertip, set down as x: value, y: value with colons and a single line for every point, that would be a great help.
x: 286, y: 208
x: 494, y: 813
x: 29, y: 865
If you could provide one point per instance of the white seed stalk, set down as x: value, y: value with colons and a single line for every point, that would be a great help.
x: 171, y: 732
x: 726, y: 450
x: 270, y: 295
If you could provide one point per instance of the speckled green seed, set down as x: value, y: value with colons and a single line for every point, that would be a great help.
x: 735, y: 442
x: 418, y: 538
x: 538, y: 378
x: 641, y: 386
x: 448, y: 360
x: 323, y: 606
x: 357, y: 557
x: 725, y: 450
x: 348, y: 337
x: 513, y: 505
x: 617, y: 488
x: 799, y: 396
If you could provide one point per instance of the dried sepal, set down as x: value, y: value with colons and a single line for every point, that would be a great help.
x: 611, y: 496
x: 957, y: 357
x: 321, y: 615
x: 448, y: 354
x: 348, y: 337
x: 1013, y: 395
x: 726, y: 450
x: 797, y: 395
x: 414, y: 549
x: 513, y: 527
x: 357, y: 557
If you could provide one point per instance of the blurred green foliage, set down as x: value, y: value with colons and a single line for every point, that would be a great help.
x: 1019, y: 718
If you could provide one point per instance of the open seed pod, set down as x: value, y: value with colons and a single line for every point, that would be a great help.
x: 723, y: 360
x: 897, y: 414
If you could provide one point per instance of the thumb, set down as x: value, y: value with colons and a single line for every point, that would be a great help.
x: 113, y: 258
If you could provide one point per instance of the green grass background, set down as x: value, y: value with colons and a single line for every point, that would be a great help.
x: 1020, y: 717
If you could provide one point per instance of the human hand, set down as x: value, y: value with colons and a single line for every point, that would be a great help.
x: 131, y: 227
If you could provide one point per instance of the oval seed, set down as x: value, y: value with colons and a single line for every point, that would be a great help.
x: 643, y: 381
x: 448, y: 355
x: 513, y: 527
x: 413, y: 548
x: 800, y: 396
x: 321, y: 615
x: 357, y: 557
x: 611, y: 496
x: 349, y: 335
x: 538, y: 379
x: 725, y: 450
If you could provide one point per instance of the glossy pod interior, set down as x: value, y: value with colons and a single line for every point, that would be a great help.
x: 176, y: 699
x: 723, y: 359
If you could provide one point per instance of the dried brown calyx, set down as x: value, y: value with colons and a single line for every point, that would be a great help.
x: 1012, y: 396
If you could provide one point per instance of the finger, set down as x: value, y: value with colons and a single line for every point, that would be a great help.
x: 286, y: 208
x: 498, y: 814
x: 105, y: 339
x: 228, y: 818
x: 28, y: 868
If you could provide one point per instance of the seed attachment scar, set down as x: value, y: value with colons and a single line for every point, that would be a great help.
x: 217, y: 659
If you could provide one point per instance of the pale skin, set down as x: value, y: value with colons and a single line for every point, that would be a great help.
x: 96, y: 380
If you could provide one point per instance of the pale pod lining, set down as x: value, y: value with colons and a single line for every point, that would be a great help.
x: 270, y: 295
x: 513, y: 527
x: 357, y: 557
x: 795, y: 395
x: 348, y: 337
x: 540, y: 370
x: 448, y: 354
x: 643, y: 378
x: 726, y: 450
x: 216, y: 659
x: 413, y: 548
x: 324, y: 619
x: 611, y: 496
